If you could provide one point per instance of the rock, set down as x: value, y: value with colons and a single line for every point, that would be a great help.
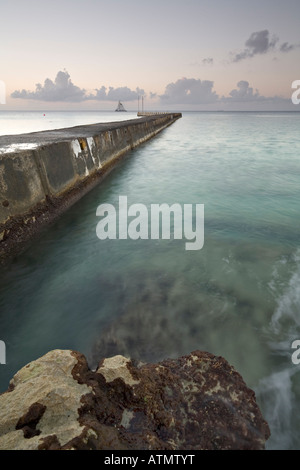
x: 43, y: 397
x: 115, y: 367
x: 192, y: 403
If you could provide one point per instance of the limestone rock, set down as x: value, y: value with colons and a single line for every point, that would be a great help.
x: 43, y: 400
x: 195, y: 402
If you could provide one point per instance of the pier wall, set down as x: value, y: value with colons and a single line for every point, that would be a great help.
x: 43, y: 173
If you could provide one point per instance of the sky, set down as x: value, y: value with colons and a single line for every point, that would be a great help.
x: 177, y: 54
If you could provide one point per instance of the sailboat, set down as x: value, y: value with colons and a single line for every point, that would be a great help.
x: 120, y: 108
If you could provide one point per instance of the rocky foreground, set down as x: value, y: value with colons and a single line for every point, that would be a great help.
x: 192, y: 403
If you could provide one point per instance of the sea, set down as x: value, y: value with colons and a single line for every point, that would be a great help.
x: 237, y: 297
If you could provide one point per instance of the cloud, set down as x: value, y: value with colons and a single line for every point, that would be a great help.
x: 208, y: 61
x: 204, y: 62
x: 115, y: 94
x: 244, y: 93
x: 244, y: 97
x: 184, y: 91
x: 189, y: 91
x: 286, y: 47
x: 258, y: 43
x: 62, y: 89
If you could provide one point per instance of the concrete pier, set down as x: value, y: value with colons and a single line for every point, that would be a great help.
x: 44, y: 173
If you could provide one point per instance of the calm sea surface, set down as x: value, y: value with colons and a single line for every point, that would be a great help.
x: 238, y: 297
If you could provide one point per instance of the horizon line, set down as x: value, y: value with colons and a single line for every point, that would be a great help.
x: 156, y: 111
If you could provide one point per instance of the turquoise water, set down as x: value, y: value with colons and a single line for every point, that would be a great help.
x: 239, y: 296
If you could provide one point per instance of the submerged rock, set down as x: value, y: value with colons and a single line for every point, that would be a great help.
x: 192, y: 403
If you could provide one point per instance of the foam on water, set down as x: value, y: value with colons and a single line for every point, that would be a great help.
x: 276, y: 395
x: 286, y: 318
x: 278, y: 391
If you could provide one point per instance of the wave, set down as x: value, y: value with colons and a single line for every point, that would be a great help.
x: 286, y: 318
x: 277, y: 398
x: 278, y: 393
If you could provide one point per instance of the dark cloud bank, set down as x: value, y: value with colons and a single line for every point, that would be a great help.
x: 260, y: 42
x: 185, y: 91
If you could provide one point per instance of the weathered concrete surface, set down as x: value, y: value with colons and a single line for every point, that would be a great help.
x: 21, y: 187
x: 195, y: 402
x: 43, y: 173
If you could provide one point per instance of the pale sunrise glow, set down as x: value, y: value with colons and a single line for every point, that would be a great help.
x: 177, y: 54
